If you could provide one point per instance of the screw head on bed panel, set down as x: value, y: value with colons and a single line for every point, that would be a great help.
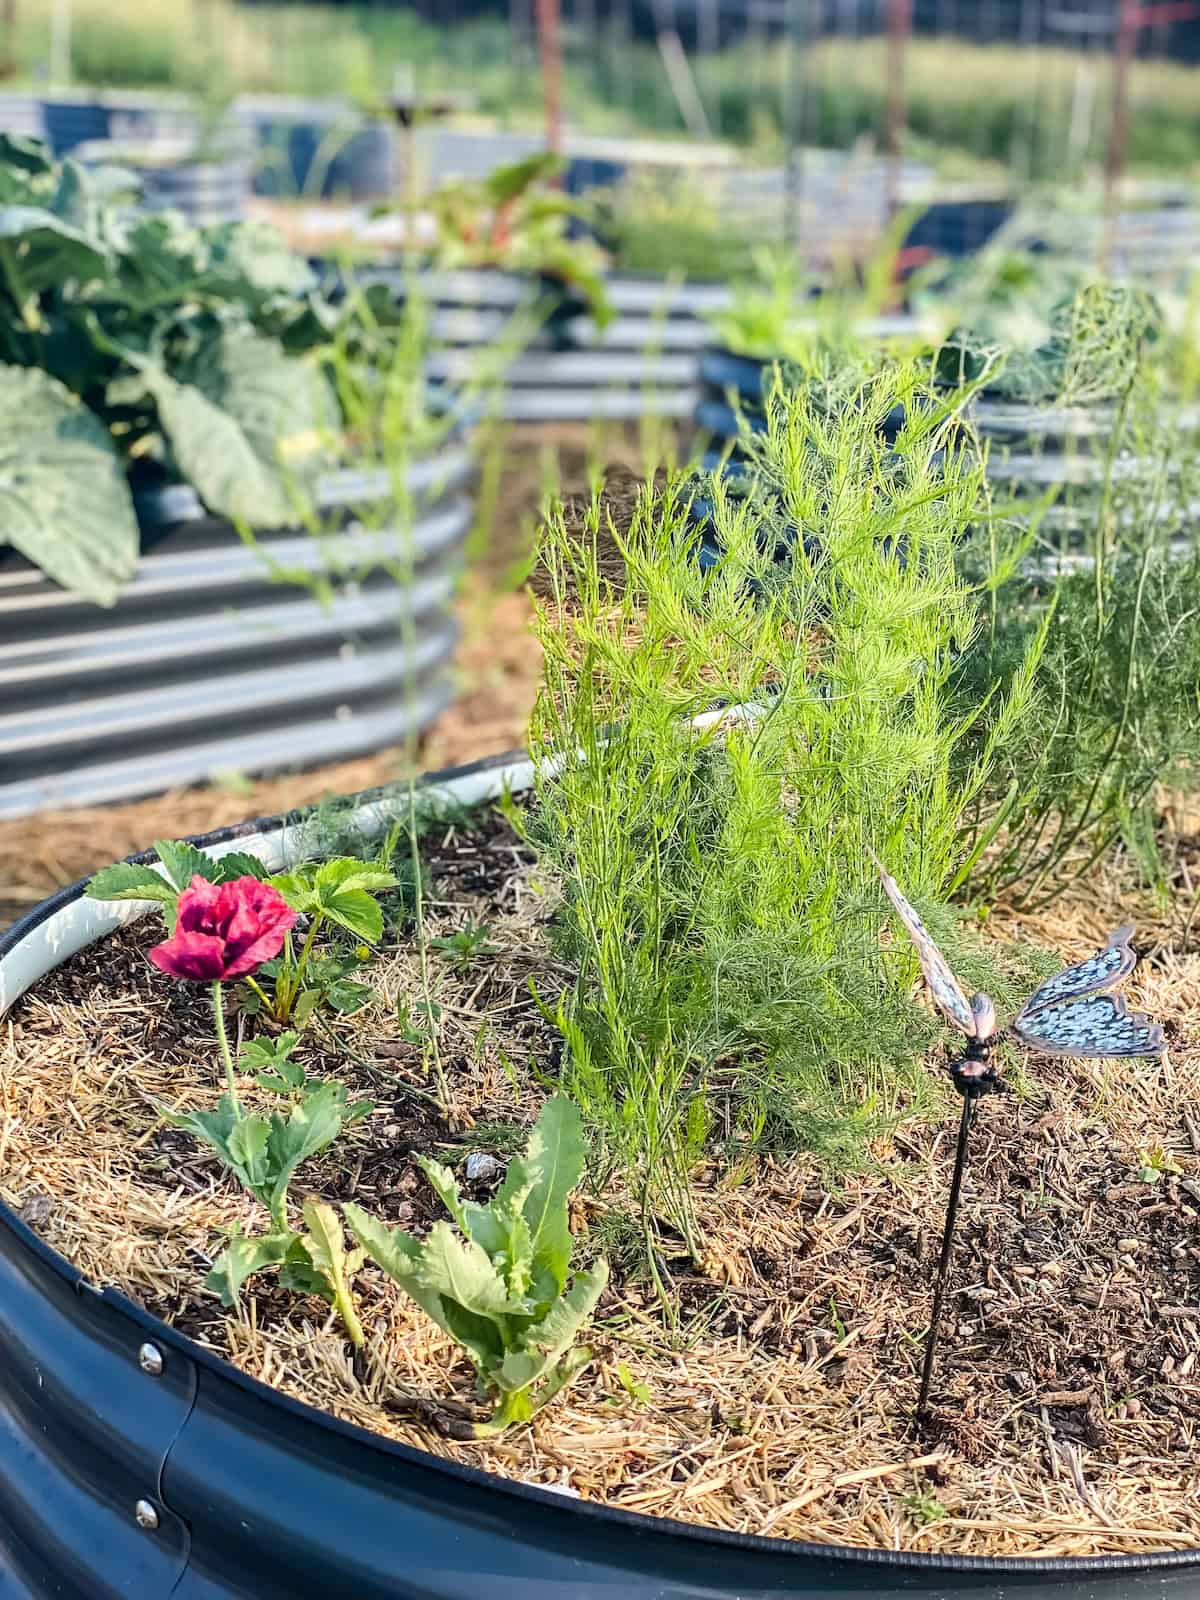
x: 150, y: 1359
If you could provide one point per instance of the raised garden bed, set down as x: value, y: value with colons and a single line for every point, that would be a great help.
x: 155, y: 1445
x: 645, y: 362
x: 174, y: 178
x: 221, y: 656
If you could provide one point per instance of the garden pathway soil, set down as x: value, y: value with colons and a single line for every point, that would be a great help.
x: 777, y: 1399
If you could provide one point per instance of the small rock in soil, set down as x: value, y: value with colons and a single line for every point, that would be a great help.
x: 480, y: 1166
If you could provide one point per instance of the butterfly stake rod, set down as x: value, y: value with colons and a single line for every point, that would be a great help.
x: 1071, y: 1014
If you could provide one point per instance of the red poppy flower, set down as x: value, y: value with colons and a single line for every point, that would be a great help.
x: 224, y: 930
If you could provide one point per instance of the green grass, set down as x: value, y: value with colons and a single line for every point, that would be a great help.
x: 720, y: 907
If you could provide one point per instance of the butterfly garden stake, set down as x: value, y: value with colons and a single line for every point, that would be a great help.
x: 1071, y: 1014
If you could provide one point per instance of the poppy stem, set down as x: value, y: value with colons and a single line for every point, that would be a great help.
x: 223, y: 1041
x: 943, y: 1270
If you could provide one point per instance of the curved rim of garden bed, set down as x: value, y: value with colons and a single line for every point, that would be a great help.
x: 67, y: 922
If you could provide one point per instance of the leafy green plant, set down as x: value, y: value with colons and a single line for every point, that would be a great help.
x: 499, y: 1286
x: 130, y: 340
x: 765, y: 318
x: 465, y: 944
x: 924, y: 1507
x: 1109, y: 574
x: 314, y: 1261
x: 270, y: 1063
x: 1156, y: 1164
x: 341, y: 892
x: 264, y: 1152
x: 416, y: 1021
x: 724, y: 739
x: 671, y: 227
x: 639, y: 1392
x: 516, y: 219
x: 1049, y: 336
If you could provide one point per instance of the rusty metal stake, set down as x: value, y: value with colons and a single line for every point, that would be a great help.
x: 550, y: 51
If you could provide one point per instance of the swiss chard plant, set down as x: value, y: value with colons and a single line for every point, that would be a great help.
x: 130, y: 340
x: 499, y: 1286
x: 517, y: 219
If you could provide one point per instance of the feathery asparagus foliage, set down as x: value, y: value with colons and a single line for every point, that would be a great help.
x: 1115, y: 561
x: 1117, y: 715
x: 719, y: 905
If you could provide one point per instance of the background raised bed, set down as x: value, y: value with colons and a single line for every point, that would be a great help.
x: 212, y: 662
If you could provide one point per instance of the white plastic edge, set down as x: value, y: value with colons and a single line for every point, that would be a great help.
x: 81, y: 922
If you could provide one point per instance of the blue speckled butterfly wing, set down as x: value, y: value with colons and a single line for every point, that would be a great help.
x: 1099, y: 972
x: 943, y: 985
x: 1094, y: 1025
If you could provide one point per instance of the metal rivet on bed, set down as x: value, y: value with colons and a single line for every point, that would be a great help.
x: 150, y: 1359
x: 147, y: 1516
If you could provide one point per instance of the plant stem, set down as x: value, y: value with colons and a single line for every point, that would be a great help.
x: 515, y: 1406
x: 344, y: 1301
x: 943, y: 1270
x: 414, y: 850
x: 302, y: 963
x: 257, y: 988
x: 223, y: 1041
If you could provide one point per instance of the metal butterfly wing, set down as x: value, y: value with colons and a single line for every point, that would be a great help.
x: 1071, y: 1015
x: 943, y: 985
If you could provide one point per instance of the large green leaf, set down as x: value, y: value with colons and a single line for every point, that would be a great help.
x: 399, y: 1254
x: 184, y: 861
x: 460, y: 1271
x: 31, y: 156
x: 215, y: 455
x: 313, y: 1124
x: 41, y: 251
x: 341, y: 890
x: 64, y: 500
x: 249, y: 426
x: 545, y: 1175
x: 126, y: 882
x: 250, y: 261
x: 242, y: 1257
x: 159, y: 259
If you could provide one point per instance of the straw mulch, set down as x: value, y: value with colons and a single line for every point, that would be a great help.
x: 777, y: 1398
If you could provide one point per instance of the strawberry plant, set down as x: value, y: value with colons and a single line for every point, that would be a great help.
x: 339, y: 892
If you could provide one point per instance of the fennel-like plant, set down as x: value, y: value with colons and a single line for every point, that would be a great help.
x: 718, y: 897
